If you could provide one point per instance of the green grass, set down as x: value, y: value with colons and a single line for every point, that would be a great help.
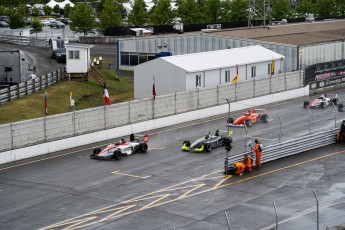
x: 86, y: 94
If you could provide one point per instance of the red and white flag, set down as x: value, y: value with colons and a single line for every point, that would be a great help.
x: 46, y: 102
x: 106, y: 95
x: 154, y: 89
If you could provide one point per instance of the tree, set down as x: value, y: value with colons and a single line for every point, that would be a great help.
x: 35, y: 11
x: 47, y: 10
x: 36, y: 26
x: 189, y: 12
x: 326, y: 8
x: 162, y: 13
x: 16, y: 21
x: 213, y: 10
x: 305, y: 7
x: 110, y: 16
x: 67, y: 10
x: 281, y: 9
x: 238, y: 10
x: 21, y: 9
x: 341, y: 7
x: 56, y: 9
x: 2, y: 10
x: 82, y: 19
x: 138, y: 16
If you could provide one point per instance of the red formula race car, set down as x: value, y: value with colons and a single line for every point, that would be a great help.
x: 249, y: 118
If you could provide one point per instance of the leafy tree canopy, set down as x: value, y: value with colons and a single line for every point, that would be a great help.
x: 16, y: 21
x: 110, y: 16
x: 138, y: 16
x: 162, y: 13
x: 189, y: 12
x: 82, y: 19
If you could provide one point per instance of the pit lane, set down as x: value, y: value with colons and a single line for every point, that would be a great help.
x: 185, y: 190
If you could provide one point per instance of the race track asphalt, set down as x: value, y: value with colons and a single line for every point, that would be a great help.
x: 169, y: 189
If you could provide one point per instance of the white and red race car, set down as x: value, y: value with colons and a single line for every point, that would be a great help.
x: 322, y: 101
x: 121, y: 148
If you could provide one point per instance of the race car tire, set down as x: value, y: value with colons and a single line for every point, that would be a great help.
x: 230, y: 120
x: 143, y: 147
x: 249, y: 123
x: 264, y: 118
x: 323, y: 105
x: 305, y: 104
x: 207, y: 147
x: 187, y: 143
x: 341, y: 107
x: 117, y: 155
x: 95, y: 152
x: 335, y: 101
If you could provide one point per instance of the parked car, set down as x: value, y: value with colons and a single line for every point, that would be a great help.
x: 57, y: 24
x: 45, y: 22
x: 55, y: 14
x: 63, y: 20
x: 3, y: 24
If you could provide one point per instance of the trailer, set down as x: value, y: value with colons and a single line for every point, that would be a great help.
x: 15, y: 67
x: 57, y: 45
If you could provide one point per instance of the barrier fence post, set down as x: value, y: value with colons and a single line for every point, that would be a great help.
x: 280, y: 130
x: 317, y: 210
x: 335, y: 115
x: 12, y: 142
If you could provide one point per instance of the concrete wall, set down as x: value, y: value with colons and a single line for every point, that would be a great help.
x: 41, y: 130
x: 58, y: 145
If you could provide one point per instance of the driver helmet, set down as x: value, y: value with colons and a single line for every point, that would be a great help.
x: 247, y: 113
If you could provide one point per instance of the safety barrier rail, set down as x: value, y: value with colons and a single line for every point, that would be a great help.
x: 290, y: 147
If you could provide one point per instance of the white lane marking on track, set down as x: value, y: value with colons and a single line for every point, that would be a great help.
x: 157, y: 148
x: 130, y: 175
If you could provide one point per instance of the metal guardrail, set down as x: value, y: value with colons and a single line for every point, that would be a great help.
x: 290, y: 147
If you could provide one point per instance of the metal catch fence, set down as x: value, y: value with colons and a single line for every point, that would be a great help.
x: 290, y: 147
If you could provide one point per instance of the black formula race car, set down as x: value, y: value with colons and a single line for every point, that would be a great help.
x: 207, y: 143
x: 121, y: 148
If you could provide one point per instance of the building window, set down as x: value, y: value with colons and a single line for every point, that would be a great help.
x: 227, y: 75
x: 198, y: 81
x: 73, y: 54
x: 269, y: 69
x: 253, y: 71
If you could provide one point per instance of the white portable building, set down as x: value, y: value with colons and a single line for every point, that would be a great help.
x: 199, y: 70
x: 78, y: 57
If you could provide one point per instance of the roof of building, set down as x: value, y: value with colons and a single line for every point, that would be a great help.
x: 79, y: 45
x: 222, y: 58
x: 295, y: 34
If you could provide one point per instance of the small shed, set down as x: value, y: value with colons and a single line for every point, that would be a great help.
x: 198, y: 70
x: 78, y: 58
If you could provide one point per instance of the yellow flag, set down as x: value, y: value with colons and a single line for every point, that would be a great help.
x: 272, y: 67
x: 235, y: 80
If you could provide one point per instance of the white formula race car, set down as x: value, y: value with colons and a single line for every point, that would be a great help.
x: 121, y: 148
x: 322, y: 101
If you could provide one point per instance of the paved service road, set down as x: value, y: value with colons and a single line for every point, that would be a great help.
x: 166, y: 188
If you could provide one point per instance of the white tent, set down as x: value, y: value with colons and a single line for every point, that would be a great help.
x: 52, y: 3
x: 64, y: 3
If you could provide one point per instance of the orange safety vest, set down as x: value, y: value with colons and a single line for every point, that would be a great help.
x: 240, y: 167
